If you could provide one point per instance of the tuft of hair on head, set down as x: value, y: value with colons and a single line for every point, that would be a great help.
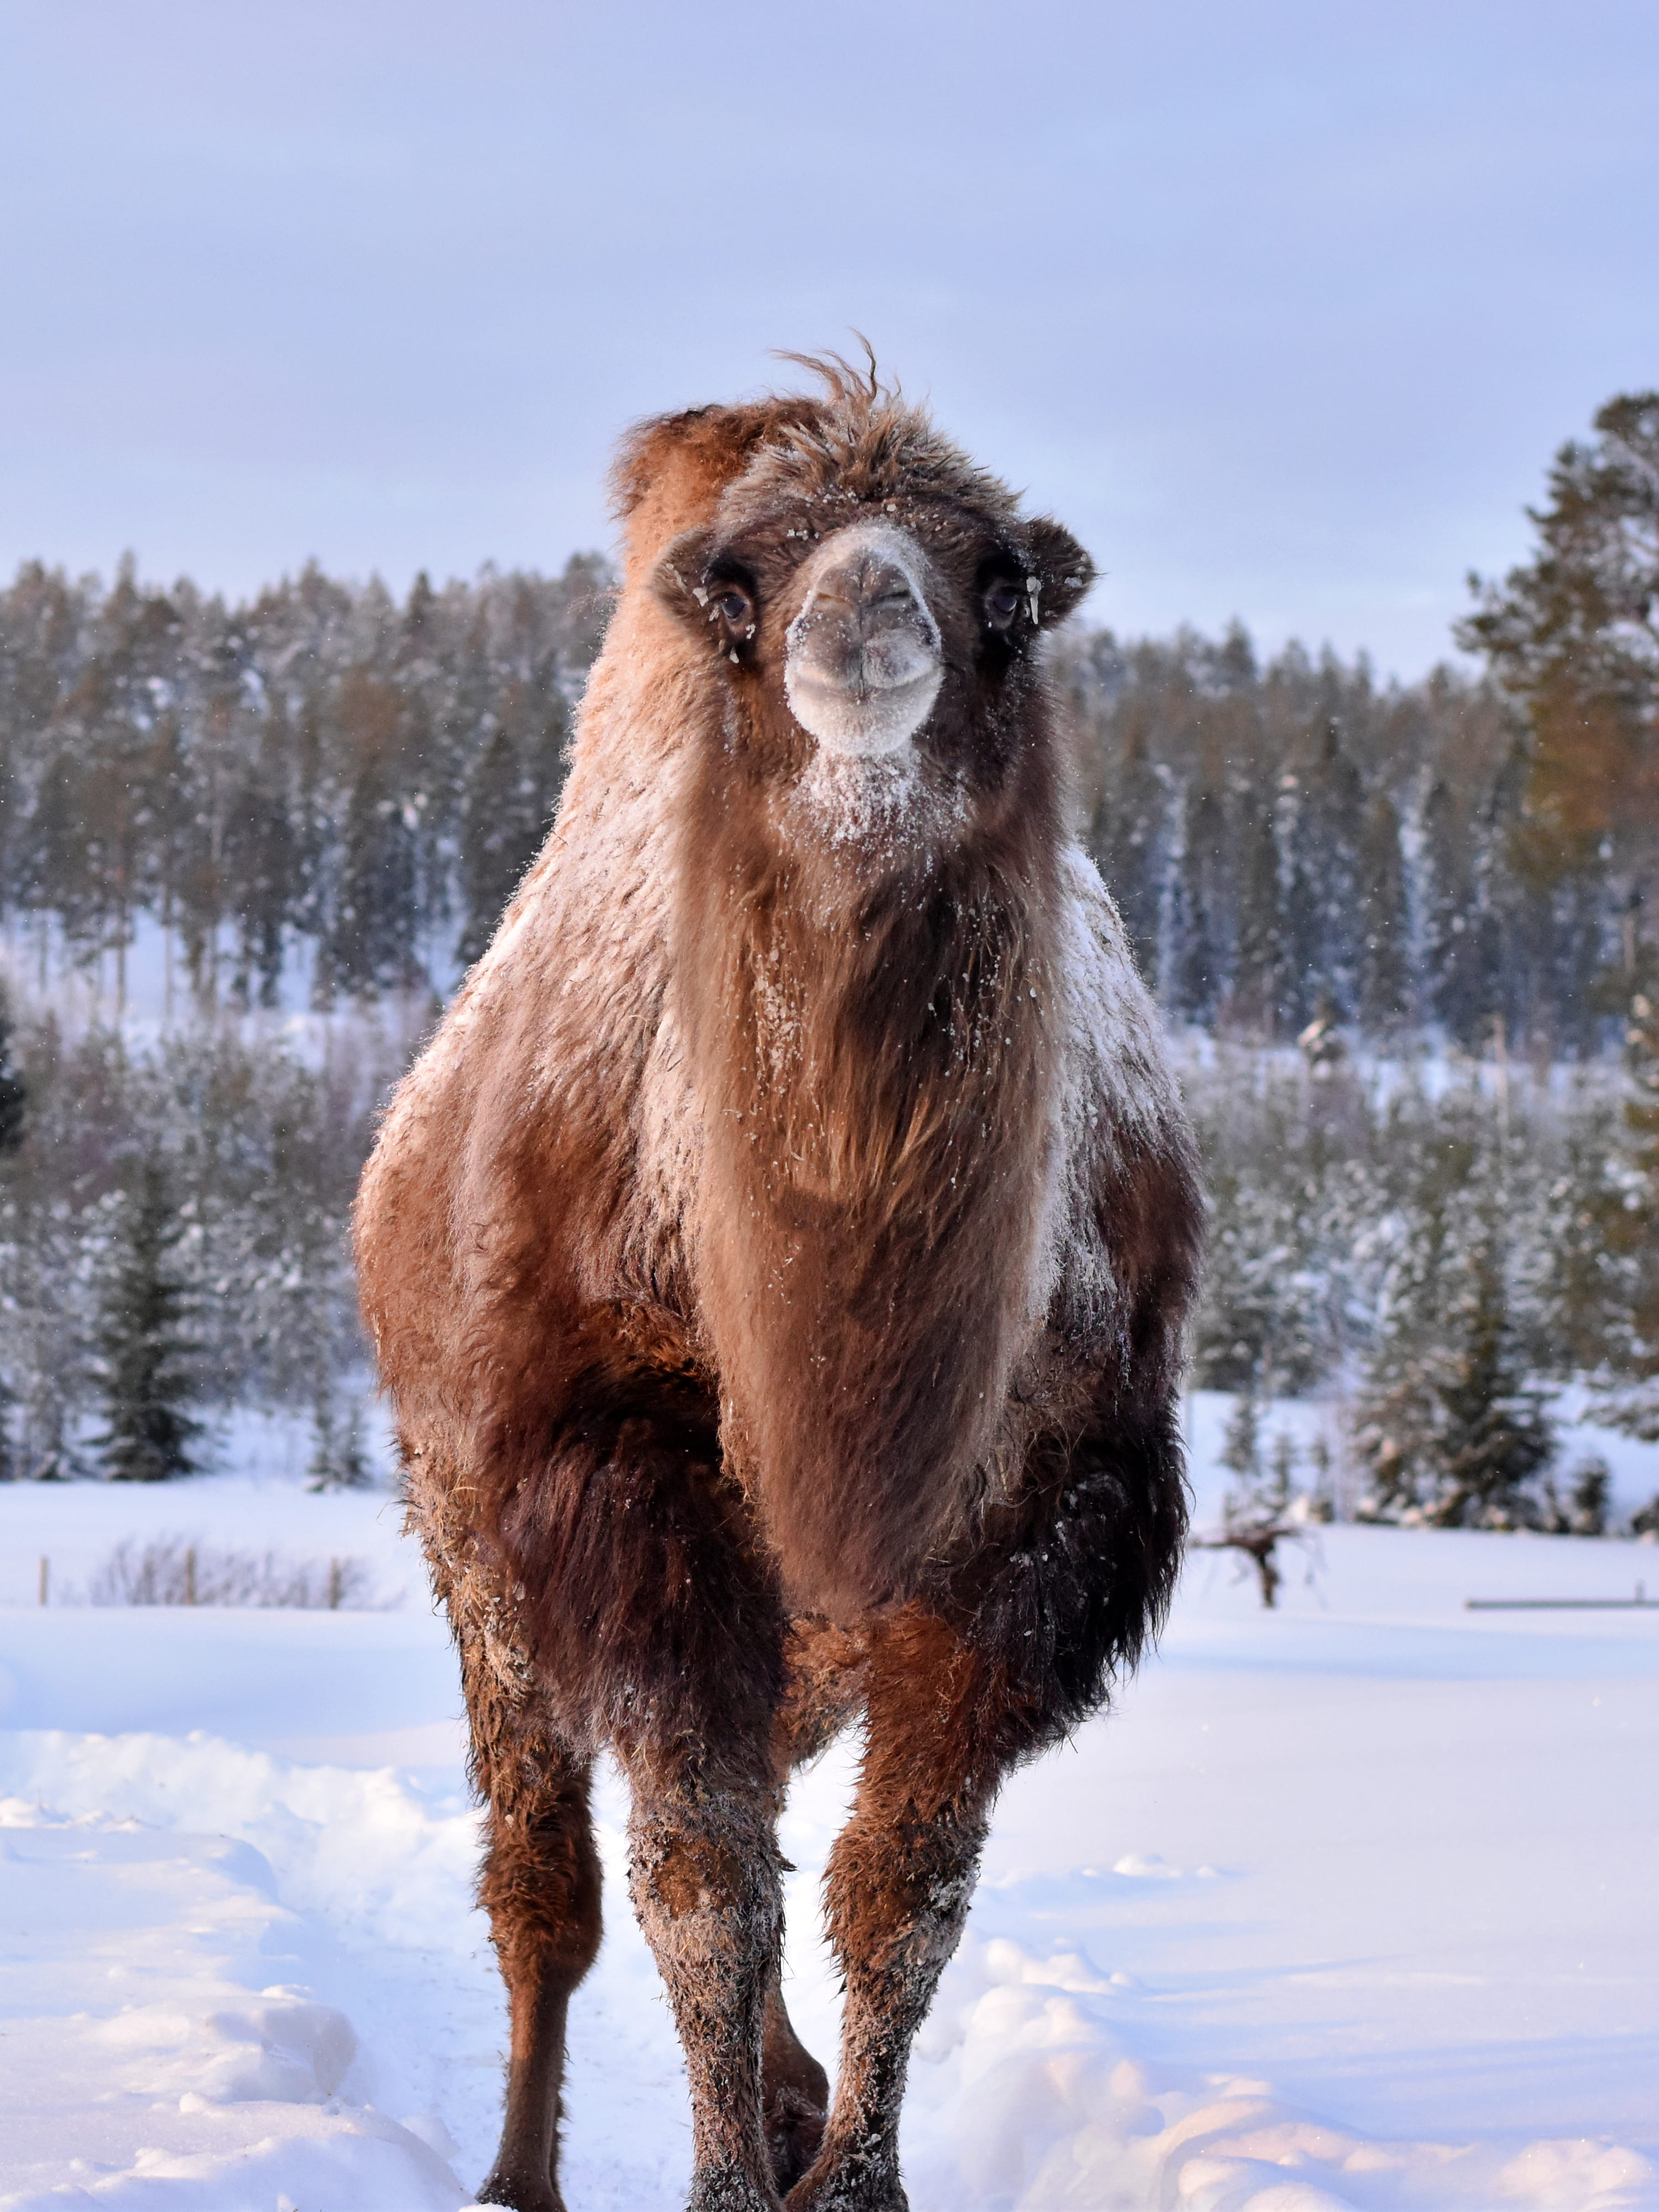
x: 845, y: 386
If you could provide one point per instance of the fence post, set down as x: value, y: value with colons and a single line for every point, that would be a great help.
x: 189, y: 1576
x: 334, y: 1585
x: 46, y: 1577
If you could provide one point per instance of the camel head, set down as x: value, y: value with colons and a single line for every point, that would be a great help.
x: 869, y: 603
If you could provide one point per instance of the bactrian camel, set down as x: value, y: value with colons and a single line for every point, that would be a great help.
x: 778, y: 1261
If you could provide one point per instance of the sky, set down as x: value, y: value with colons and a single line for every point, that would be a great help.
x: 1282, y: 308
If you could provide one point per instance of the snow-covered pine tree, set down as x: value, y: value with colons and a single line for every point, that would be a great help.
x: 338, y: 1460
x: 1630, y: 1223
x: 1287, y: 1190
x: 1259, y: 980
x: 510, y: 796
x: 146, y: 1379
x: 14, y: 1093
x: 1384, y: 984
x: 1241, y: 1442
x: 1495, y: 1434
x: 1448, y: 1423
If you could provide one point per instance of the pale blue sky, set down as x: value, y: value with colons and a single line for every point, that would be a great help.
x: 1282, y: 308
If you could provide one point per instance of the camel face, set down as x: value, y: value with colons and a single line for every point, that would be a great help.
x: 865, y: 659
x: 876, y: 667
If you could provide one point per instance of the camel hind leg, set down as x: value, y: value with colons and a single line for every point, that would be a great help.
x: 826, y: 1668
x: 540, y: 1880
x: 540, y: 1886
x: 794, y: 2095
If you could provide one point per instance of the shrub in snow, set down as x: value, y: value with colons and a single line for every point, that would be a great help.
x: 1584, y: 1510
x: 171, y: 1571
x: 1263, y: 1509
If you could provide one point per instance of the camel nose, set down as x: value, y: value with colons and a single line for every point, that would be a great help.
x: 864, y: 653
x: 865, y: 622
x: 869, y: 592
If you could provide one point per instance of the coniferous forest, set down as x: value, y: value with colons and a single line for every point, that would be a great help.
x: 1404, y: 932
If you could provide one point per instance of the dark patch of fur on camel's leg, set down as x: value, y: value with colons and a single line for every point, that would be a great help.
x: 705, y: 1878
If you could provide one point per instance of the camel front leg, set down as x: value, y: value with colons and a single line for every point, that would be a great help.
x: 705, y: 1878
x: 898, y: 1889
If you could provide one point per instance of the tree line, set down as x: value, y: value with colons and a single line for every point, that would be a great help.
x: 1438, y: 1237
x: 321, y: 778
x: 1441, y: 891
x: 327, y: 784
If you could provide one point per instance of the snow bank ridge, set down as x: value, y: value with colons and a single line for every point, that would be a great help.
x: 1038, y: 2105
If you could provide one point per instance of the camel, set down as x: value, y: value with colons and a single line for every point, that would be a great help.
x: 778, y: 1262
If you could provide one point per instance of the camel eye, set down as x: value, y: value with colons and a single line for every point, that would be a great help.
x: 735, y: 606
x: 1001, y: 603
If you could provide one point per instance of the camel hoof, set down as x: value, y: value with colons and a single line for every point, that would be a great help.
x: 520, y: 2192
x: 849, y: 2184
x: 727, y: 2188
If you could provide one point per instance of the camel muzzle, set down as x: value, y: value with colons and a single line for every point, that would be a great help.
x: 864, y: 657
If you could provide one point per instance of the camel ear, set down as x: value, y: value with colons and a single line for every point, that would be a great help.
x: 1063, y: 571
x: 676, y: 580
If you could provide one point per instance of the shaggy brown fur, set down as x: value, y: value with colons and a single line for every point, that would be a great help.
x: 778, y: 1260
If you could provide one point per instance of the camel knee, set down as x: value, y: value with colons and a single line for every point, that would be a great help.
x: 540, y: 1884
x: 895, y: 1898
x: 704, y: 1882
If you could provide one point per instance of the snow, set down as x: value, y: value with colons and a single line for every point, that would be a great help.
x: 1350, y: 1904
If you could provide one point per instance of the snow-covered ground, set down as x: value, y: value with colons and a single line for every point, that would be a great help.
x: 1349, y: 1904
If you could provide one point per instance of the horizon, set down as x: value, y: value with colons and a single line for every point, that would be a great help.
x: 1284, y: 314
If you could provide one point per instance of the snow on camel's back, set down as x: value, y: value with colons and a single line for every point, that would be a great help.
x: 778, y: 1262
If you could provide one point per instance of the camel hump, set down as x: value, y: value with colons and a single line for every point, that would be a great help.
x: 671, y: 470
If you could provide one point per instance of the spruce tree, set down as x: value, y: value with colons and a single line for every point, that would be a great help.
x: 14, y: 1092
x: 1384, y: 986
x: 1241, y: 1445
x: 1628, y: 1216
x: 145, y: 1353
x: 1570, y: 636
x: 338, y: 1460
x: 1447, y: 1421
x: 503, y: 832
x: 1494, y: 1434
x: 372, y: 945
x: 1260, y: 979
